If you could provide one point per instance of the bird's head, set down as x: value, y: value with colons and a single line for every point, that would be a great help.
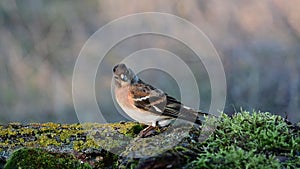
x: 123, y: 76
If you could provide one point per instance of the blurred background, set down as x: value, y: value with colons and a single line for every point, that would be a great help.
x: 258, y: 42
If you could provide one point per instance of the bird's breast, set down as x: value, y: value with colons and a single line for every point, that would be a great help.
x: 124, y: 100
x: 123, y: 97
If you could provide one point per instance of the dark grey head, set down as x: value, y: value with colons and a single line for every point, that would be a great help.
x: 123, y: 76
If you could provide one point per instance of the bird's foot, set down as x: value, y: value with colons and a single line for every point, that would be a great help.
x: 148, y: 131
x: 151, y: 131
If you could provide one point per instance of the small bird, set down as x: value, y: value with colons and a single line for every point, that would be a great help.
x: 147, y: 104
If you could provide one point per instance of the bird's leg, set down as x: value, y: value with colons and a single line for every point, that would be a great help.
x: 147, y: 131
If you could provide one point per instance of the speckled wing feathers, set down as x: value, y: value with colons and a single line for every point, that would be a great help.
x: 148, y: 98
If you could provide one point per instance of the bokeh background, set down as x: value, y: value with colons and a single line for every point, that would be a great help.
x: 258, y: 42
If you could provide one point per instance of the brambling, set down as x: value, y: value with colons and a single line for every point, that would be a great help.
x: 147, y: 104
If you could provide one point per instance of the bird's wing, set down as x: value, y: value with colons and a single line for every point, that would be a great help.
x: 151, y: 99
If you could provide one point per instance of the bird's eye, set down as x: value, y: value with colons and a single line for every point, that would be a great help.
x: 123, y: 77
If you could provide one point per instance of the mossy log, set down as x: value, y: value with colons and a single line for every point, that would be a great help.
x: 245, y: 140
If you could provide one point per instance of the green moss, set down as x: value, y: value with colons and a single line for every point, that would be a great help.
x: 234, y: 158
x: 38, y: 158
x: 262, y: 132
x: 246, y: 139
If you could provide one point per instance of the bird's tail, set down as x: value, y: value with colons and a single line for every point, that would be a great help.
x: 197, y: 117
